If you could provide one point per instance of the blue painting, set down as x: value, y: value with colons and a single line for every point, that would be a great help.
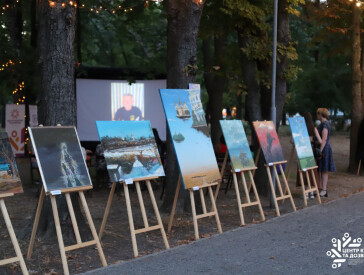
x: 302, y: 142
x: 237, y: 144
x: 190, y: 136
x: 59, y: 156
x: 130, y: 150
x: 9, y: 175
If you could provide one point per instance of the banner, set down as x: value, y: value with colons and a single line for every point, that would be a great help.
x: 33, y: 115
x: 195, y: 86
x: 15, y: 127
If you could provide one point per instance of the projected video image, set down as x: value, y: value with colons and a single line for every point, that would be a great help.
x: 127, y: 101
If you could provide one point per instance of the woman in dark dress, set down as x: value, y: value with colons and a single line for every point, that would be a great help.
x: 325, y: 162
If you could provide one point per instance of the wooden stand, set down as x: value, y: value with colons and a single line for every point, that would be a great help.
x: 307, y: 171
x: 79, y: 244
x: 195, y: 217
x: 246, y: 189
x: 282, y: 195
x: 310, y: 188
x: 359, y: 166
x: 146, y: 228
x: 19, y: 257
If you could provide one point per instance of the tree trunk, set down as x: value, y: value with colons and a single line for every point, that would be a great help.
x: 283, y: 39
x: 356, y: 93
x: 57, y: 103
x: 182, y: 30
x: 215, y: 82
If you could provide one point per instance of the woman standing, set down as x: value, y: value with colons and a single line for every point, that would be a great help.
x: 326, y: 162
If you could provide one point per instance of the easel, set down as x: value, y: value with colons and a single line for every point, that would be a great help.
x: 19, y: 257
x: 146, y: 228
x: 80, y: 243
x: 195, y: 217
x: 359, y: 166
x: 246, y: 189
x: 282, y: 195
x: 306, y: 171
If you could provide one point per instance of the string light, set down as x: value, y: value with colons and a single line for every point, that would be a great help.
x: 8, y: 64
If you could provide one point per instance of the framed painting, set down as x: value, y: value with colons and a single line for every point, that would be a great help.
x: 59, y: 156
x: 9, y: 176
x: 237, y: 144
x: 130, y: 150
x: 302, y: 142
x: 190, y: 136
x: 269, y: 141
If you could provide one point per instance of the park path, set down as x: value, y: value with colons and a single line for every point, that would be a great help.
x: 295, y: 243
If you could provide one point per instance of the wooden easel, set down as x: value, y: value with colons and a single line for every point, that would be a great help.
x: 195, y: 217
x: 246, y: 190
x: 282, y: 195
x: 306, y: 171
x: 19, y: 256
x: 146, y: 228
x: 80, y: 243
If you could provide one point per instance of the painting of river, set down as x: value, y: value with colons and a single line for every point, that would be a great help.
x: 130, y: 150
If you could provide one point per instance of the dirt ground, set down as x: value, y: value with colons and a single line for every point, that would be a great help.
x: 116, y: 241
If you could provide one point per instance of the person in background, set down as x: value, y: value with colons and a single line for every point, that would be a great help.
x: 325, y: 162
x: 128, y: 111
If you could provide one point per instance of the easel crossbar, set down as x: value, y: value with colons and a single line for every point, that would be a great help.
x: 201, y: 216
x: 283, y: 197
x: 310, y: 190
x: 147, y: 229
x: 80, y: 245
x: 9, y: 261
x: 249, y: 204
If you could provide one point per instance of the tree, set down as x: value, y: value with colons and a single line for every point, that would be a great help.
x: 182, y: 32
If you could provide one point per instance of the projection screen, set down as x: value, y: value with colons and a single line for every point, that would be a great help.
x: 118, y: 100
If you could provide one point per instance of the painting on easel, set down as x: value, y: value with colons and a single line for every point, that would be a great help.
x: 190, y: 136
x: 59, y: 156
x: 237, y: 144
x: 269, y: 141
x: 130, y: 150
x: 302, y: 142
x: 9, y: 175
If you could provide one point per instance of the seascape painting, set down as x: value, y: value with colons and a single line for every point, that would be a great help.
x: 302, y: 142
x: 9, y: 175
x: 190, y: 136
x: 130, y: 150
x: 59, y: 156
x: 269, y: 141
x: 237, y: 144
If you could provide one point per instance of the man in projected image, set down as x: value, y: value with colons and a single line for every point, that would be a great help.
x: 128, y: 111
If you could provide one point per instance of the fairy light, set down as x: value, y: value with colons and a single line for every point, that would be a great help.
x: 8, y: 64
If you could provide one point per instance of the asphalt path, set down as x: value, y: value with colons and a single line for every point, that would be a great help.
x: 295, y: 243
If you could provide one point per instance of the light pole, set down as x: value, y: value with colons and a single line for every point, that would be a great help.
x: 273, y: 111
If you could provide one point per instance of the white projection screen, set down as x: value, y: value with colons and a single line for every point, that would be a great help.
x: 111, y: 99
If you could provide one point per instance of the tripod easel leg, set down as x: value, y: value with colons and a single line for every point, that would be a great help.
x: 222, y: 172
x: 303, y: 188
x: 156, y: 210
x: 59, y: 235
x: 73, y: 218
x: 174, y: 204
x: 130, y: 217
x: 256, y: 195
x: 315, y: 184
x: 273, y: 191
x: 13, y: 237
x: 194, y: 217
x: 92, y: 227
x: 106, y: 214
x: 238, y: 199
x: 286, y: 185
x: 36, y: 222
x: 141, y: 203
x: 215, y: 210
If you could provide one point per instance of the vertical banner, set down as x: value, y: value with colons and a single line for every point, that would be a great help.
x: 33, y: 115
x: 15, y: 127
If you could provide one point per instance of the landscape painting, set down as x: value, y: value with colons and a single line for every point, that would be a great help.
x: 130, y: 150
x: 302, y: 142
x: 237, y: 144
x: 190, y: 136
x: 269, y: 141
x: 9, y: 175
x: 59, y: 156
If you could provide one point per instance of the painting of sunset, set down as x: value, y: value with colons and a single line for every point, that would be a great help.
x: 269, y: 141
x: 190, y: 136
